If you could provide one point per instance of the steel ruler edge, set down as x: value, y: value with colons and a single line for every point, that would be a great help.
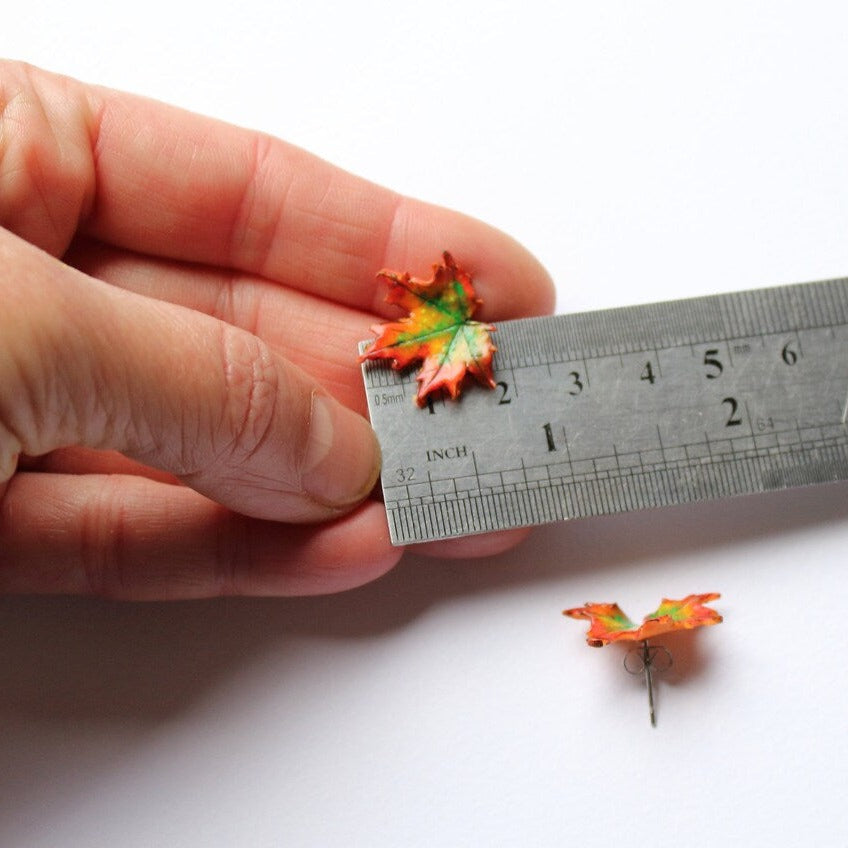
x: 623, y: 409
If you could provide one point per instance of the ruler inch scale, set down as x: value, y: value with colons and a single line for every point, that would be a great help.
x: 623, y: 409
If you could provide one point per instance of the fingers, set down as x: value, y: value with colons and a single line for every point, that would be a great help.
x: 285, y: 318
x: 137, y: 539
x: 163, y: 182
x: 83, y: 363
x: 237, y: 199
x: 316, y: 334
x: 133, y: 538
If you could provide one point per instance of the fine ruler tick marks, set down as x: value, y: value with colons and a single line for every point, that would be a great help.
x: 689, y: 400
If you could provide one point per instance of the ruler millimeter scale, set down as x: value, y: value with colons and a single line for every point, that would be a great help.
x: 623, y: 409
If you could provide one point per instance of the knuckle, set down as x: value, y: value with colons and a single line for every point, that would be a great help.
x: 252, y: 387
x: 104, y: 528
x: 51, y: 381
x: 26, y: 392
x: 46, y: 164
x: 12, y: 438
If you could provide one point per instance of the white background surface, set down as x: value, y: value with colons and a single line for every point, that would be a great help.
x: 644, y: 151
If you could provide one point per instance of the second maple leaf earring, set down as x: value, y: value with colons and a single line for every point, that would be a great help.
x: 438, y: 332
x: 609, y: 624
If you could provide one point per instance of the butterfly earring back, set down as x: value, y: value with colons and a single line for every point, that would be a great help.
x: 607, y: 623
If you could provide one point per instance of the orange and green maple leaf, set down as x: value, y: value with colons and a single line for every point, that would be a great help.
x: 438, y: 332
x: 607, y: 623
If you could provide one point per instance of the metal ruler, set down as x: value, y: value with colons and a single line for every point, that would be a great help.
x: 623, y: 409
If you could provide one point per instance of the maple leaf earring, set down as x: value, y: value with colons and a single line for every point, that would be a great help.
x: 607, y: 623
x: 438, y: 332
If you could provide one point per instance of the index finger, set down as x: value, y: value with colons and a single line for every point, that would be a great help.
x: 160, y: 181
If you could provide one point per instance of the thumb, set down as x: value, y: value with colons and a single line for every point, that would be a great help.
x: 83, y: 363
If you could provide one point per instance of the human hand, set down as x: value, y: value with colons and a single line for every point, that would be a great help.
x: 180, y: 400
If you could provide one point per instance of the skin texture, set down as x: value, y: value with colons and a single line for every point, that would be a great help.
x: 181, y: 411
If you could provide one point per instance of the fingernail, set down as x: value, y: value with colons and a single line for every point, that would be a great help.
x: 342, y: 459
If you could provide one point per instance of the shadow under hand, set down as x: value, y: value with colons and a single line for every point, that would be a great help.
x: 82, y: 682
x: 153, y: 659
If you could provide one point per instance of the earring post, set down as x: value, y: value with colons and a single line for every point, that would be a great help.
x: 647, y: 661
